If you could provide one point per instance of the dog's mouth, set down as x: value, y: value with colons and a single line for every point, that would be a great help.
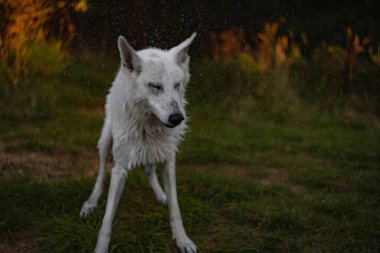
x: 169, y: 125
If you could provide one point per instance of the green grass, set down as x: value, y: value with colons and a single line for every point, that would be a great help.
x: 249, y: 178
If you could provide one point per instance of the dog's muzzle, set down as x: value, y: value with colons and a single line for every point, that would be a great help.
x: 175, y: 119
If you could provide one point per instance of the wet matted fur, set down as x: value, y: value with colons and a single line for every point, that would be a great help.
x: 146, y: 121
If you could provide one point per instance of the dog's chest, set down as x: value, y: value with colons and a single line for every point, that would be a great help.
x: 150, y: 145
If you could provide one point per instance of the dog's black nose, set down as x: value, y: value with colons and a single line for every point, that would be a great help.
x: 176, y: 118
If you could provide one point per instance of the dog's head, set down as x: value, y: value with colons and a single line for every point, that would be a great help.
x: 159, y: 77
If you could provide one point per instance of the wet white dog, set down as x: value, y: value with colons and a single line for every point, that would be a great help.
x: 145, y: 118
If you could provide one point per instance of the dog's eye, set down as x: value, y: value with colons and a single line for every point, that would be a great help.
x: 177, y: 85
x: 155, y: 86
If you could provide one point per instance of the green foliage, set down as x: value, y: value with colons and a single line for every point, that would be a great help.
x: 40, y: 59
x: 45, y: 59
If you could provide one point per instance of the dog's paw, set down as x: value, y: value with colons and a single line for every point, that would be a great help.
x: 185, y: 245
x: 87, y: 208
x: 163, y: 200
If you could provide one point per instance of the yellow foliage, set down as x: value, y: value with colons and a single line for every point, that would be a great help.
x: 274, y: 50
x: 281, y: 47
x: 349, y: 32
x: 270, y: 48
x: 270, y: 30
x: 25, y: 23
x: 355, y: 43
x: 296, y: 53
x: 375, y: 56
x: 246, y: 62
x: 305, y: 39
x: 81, y: 6
x: 61, y: 4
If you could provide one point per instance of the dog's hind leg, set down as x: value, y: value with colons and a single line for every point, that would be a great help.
x: 150, y: 171
x: 184, y: 243
x: 103, y: 145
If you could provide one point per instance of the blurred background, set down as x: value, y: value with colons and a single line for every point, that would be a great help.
x: 283, y: 150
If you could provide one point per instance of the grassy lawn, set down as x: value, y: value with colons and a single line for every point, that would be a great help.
x: 247, y: 181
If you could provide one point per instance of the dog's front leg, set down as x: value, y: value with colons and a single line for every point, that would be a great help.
x: 118, y: 177
x: 183, y: 241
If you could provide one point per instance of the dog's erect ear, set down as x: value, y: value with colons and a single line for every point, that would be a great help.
x: 180, y: 51
x: 129, y: 58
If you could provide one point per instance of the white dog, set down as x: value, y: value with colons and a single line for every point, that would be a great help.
x: 145, y: 117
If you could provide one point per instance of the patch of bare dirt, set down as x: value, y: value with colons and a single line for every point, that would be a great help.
x: 260, y: 175
x: 280, y: 177
x: 42, y: 165
x: 26, y: 244
x: 343, y: 186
